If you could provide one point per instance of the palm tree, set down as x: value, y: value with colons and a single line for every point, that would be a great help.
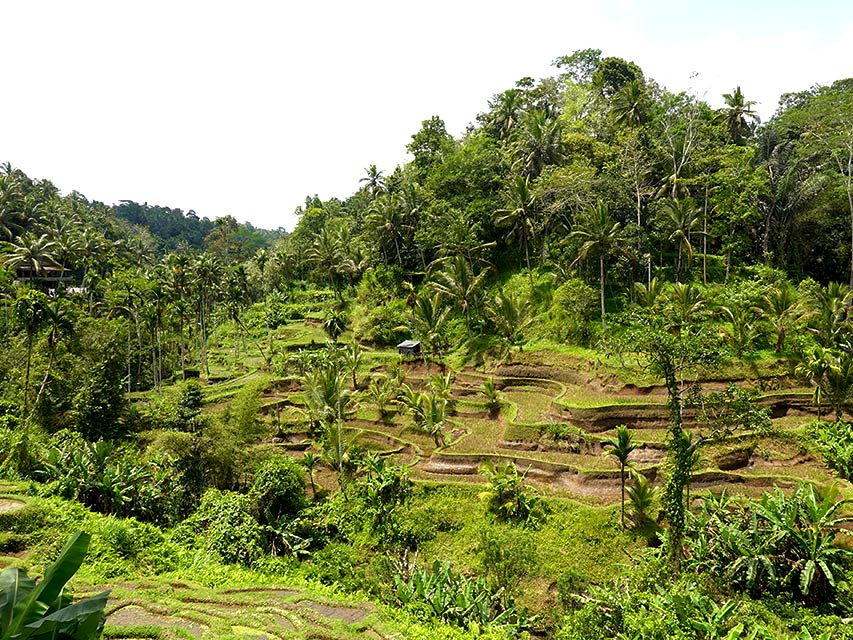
x: 687, y: 301
x: 432, y: 417
x: 11, y: 196
x: 309, y: 461
x: 649, y: 295
x: 628, y: 106
x: 386, y: 219
x: 505, y: 111
x: 642, y: 497
x: 519, y: 216
x: 327, y: 253
x: 739, y: 116
x: 684, y: 220
x: 375, y: 181
x: 58, y: 318
x: 326, y: 396
x: 813, y: 368
x: 511, y: 316
x: 207, y: 272
x: 177, y: 285
x: 600, y: 235
x: 460, y: 284
x: 29, y: 311
x: 621, y: 447
x: 831, y: 316
x: 538, y: 143
x: 31, y: 252
x: 352, y: 360
x: 781, y: 308
x: 741, y: 334
x: 429, y: 321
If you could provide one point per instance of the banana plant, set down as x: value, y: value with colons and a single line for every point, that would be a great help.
x: 43, y: 611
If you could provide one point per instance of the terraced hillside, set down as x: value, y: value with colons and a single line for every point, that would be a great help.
x: 553, y: 421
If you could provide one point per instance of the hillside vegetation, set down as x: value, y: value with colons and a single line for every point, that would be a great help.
x: 628, y: 416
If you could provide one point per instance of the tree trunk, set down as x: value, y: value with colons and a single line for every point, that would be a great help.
x: 601, y: 274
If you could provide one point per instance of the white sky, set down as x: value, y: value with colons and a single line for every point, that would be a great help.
x: 245, y: 108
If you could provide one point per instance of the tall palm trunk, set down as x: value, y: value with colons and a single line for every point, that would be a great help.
x: 601, y: 289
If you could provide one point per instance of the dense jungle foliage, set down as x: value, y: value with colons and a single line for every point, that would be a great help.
x: 219, y: 403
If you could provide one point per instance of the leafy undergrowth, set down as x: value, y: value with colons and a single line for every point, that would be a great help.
x: 161, y: 589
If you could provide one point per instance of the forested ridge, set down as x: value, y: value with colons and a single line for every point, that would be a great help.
x: 627, y: 418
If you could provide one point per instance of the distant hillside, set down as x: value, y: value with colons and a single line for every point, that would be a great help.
x: 173, y: 229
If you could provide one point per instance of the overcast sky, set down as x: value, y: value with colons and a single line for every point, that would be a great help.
x: 245, y: 108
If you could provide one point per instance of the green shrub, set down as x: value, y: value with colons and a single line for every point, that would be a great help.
x: 456, y: 599
x: 507, y: 497
x: 573, y: 306
x: 278, y: 489
x: 224, y: 525
x: 507, y: 555
x: 834, y: 441
x: 337, y: 564
x: 382, y: 325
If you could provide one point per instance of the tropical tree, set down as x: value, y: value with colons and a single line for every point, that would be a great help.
x: 429, y: 415
x: 58, y: 318
x: 538, y: 143
x: 642, y: 497
x: 600, y: 235
x: 519, y: 216
x: 781, y: 309
x: 207, y: 272
x: 628, y: 107
x: 429, y: 317
x: 31, y: 252
x: 455, y: 279
x: 310, y: 460
x: 739, y: 116
x: 510, y: 316
x: 683, y: 219
x: 29, y: 311
x: 621, y: 447
x: 831, y: 371
x: 352, y: 357
x: 374, y: 181
x: 507, y: 497
x: 687, y: 303
x: 742, y: 331
x: 505, y: 112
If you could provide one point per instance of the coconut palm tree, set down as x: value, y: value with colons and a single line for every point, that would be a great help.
x: 30, y: 310
x: 739, y: 116
x: 59, y: 321
x: 310, y: 460
x: 687, y: 302
x: 628, y: 107
x: 455, y: 280
x: 31, y: 252
x: 375, y: 181
x: 781, y: 308
x: 538, y: 143
x: 519, y: 216
x: 429, y: 321
x: 601, y: 235
x: 621, y: 447
x: 504, y: 115
x: 511, y: 316
x: 683, y: 218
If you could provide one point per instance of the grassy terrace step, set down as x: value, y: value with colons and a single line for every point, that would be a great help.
x: 179, y: 609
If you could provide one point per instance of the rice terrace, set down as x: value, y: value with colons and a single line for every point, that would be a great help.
x: 582, y: 372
